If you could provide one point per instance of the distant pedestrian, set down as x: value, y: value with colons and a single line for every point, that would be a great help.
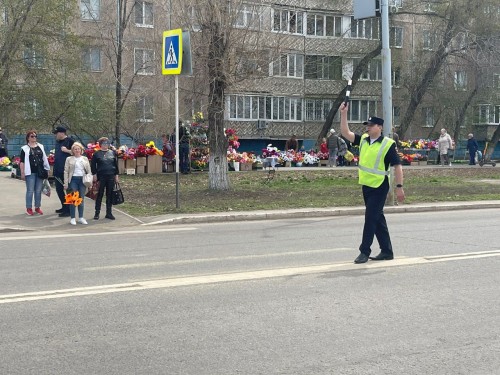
x: 3, y: 144
x: 395, y: 137
x: 333, y: 147
x: 75, y: 168
x: 104, y: 167
x: 184, y: 157
x: 292, y: 144
x: 445, y: 144
x: 376, y: 154
x: 34, y: 167
x: 62, y: 152
x: 472, y: 147
x: 323, y: 147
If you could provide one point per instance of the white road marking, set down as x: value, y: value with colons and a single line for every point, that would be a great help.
x: 236, y: 276
x: 208, y: 260
x: 109, y: 233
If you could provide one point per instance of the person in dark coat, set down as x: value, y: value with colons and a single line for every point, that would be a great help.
x: 3, y: 144
x: 472, y: 147
x: 62, y: 152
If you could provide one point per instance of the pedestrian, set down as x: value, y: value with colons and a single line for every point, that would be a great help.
x: 323, y: 146
x: 75, y: 168
x: 62, y: 152
x: 333, y: 147
x: 472, y: 147
x: 104, y: 167
x: 168, y: 152
x: 184, y: 138
x: 292, y: 144
x: 376, y: 154
x: 34, y: 167
x: 3, y: 144
x: 395, y: 137
x: 445, y: 144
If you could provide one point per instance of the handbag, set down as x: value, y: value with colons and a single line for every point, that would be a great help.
x: 42, y: 173
x: 88, y: 179
x: 93, y: 190
x: 117, y: 196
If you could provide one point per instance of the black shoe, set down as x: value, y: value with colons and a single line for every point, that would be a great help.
x: 362, y: 258
x: 60, y: 211
x: 383, y: 256
x: 109, y: 216
x: 64, y: 214
x: 96, y: 217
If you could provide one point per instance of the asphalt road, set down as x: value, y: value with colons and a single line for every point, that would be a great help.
x: 262, y: 297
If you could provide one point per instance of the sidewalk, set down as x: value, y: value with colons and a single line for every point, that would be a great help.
x: 13, y: 217
x: 13, y: 212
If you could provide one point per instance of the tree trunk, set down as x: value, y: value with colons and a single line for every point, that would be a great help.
x: 218, y: 178
x: 434, y: 66
x: 340, y: 97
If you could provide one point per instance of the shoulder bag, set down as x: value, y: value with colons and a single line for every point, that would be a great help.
x: 117, y: 196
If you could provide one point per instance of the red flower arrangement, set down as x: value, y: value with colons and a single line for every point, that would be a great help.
x: 232, y: 138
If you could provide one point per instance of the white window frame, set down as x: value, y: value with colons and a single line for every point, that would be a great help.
x: 282, y: 21
x: 396, y: 36
x: 142, y: 10
x: 144, y: 61
x: 145, y: 108
x: 373, y: 71
x: 250, y: 16
x: 274, y: 108
x: 396, y: 76
x: 460, y: 80
x: 33, y: 58
x: 323, y: 67
x: 361, y: 110
x: 428, y: 117
x: 317, y: 109
x: 33, y: 109
x: 365, y: 28
x: 92, y: 59
x: 429, y: 40
x: 335, y: 21
x: 396, y: 116
x: 288, y: 65
x: 90, y: 10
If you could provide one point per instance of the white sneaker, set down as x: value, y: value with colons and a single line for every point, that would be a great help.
x: 450, y: 164
x: 72, y: 221
x: 82, y: 221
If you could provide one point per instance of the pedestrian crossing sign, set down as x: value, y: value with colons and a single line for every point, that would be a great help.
x: 172, y: 52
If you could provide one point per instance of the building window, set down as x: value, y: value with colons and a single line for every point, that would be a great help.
x: 429, y: 41
x: 324, y: 25
x: 277, y: 108
x: 144, y: 61
x: 428, y: 116
x: 496, y: 81
x: 249, y: 16
x: 323, y: 67
x: 396, y: 37
x: 144, y: 13
x: 373, y: 71
x: 365, y: 29
x: 32, y: 57
x: 396, y: 3
x: 32, y: 109
x: 361, y: 110
x: 145, y: 109
x: 90, y: 9
x: 289, y: 65
x: 92, y: 59
x: 396, y: 77
x: 317, y: 109
x: 193, y: 18
x: 460, y: 81
x: 396, y: 116
x: 288, y: 21
x: 488, y: 114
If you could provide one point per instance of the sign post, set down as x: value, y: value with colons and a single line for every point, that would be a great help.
x: 174, y: 63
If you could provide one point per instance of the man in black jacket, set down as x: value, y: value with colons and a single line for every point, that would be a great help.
x: 62, y: 152
x: 3, y: 144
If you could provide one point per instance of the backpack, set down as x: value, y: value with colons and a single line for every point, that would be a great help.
x: 342, y: 147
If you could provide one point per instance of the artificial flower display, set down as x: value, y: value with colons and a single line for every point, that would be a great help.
x: 151, y: 149
x: 232, y: 138
x: 73, y: 198
x: 5, y: 161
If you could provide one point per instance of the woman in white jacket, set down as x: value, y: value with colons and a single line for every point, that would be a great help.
x: 75, y: 168
x: 34, y: 166
x: 445, y: 144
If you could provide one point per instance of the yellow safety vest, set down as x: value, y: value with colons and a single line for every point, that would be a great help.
x: 371, y: 164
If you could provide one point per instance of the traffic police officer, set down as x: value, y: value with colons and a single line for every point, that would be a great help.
x: 376, y: 154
